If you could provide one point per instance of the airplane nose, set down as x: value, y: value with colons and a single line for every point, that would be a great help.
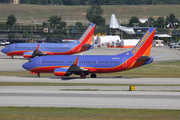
x: 26, y: 66
x: 3, y: 50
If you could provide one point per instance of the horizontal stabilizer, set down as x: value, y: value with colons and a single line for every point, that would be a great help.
x: 86, y: 45
x: 143, y: 58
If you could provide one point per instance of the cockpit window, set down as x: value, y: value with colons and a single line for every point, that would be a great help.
x: 6, y: 47
x: 30, y: 61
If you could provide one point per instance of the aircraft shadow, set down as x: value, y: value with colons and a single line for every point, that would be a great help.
x: 75, y: 78
x: 14, y: 58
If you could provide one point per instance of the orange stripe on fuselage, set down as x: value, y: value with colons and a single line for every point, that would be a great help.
x: 147, y: 53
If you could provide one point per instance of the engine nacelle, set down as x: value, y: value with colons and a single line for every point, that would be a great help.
x: 27, y: 54
x: 62, y: 72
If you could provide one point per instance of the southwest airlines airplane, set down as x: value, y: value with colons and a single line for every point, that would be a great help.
x: 65, y: 65
x: 30, y: 50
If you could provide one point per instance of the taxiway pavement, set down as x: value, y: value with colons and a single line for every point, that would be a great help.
x: 106, y: 80
x: 91, y: 99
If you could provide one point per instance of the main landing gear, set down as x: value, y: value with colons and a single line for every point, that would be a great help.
x: 83, y: 75
x: 93, y: 75
x: 12, y: 57
x: 38, y: 75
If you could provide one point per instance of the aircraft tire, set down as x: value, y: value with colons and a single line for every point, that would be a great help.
x: 38, y: 75
x: 93, y: 75
x: 83, y: 76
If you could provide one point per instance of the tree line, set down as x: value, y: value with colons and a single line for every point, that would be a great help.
x: 98, y: 2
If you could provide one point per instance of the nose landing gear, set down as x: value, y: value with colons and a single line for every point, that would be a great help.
x: 38, y: 75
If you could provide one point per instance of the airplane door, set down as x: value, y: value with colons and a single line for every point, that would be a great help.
x: 124, y: 62
x: 12, y: 47
x: 39, y: 61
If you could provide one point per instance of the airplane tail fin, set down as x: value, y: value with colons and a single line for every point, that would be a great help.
x: 113, y: 22
x: 139, y: 55
x: 87, y: 37
x: 143, y: 47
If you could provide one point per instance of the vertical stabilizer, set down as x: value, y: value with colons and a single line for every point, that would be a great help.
x: 143, y: 47
x: 113, y: 22
x: 86, y: 38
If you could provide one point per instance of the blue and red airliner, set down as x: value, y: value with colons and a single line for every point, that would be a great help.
x: 66, y: 65
x: 31, y: 50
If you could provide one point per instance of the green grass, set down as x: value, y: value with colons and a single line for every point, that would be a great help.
x: 77, y: 13
x: 153, y: 70
x: 49, y: 113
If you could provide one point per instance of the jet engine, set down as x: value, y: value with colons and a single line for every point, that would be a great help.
x: 62, y: 72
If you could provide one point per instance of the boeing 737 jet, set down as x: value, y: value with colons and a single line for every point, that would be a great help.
x: 30, y: 50
x: 66, y: 65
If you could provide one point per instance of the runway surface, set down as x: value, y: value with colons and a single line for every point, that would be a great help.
x: 90, y: 99
x: 160, y: 53
x: 160, y: 81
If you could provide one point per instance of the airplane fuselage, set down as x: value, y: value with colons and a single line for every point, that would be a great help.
x: 20, y: 48
x: 94, y: 63
x: 53, y: 48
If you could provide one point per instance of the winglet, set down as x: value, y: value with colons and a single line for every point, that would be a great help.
x: 76, y: 61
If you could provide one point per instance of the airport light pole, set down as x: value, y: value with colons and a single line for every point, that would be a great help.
x: 121, y: 30
x: 20, y: 22
x: 31, y: 27
x: 17, y: 26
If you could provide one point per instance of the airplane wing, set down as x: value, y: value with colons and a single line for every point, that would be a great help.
x: 73, y: 69
x: 36, y: 52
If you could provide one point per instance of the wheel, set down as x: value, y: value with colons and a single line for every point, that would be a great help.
x: 12, y: 57
x: 93, y: 75
x: 83, y: 76
x: 38, y: 75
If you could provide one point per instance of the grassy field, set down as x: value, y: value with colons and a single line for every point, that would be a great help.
x: 153, y: 70
x: 77, y: 13
x: 36, y: 113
